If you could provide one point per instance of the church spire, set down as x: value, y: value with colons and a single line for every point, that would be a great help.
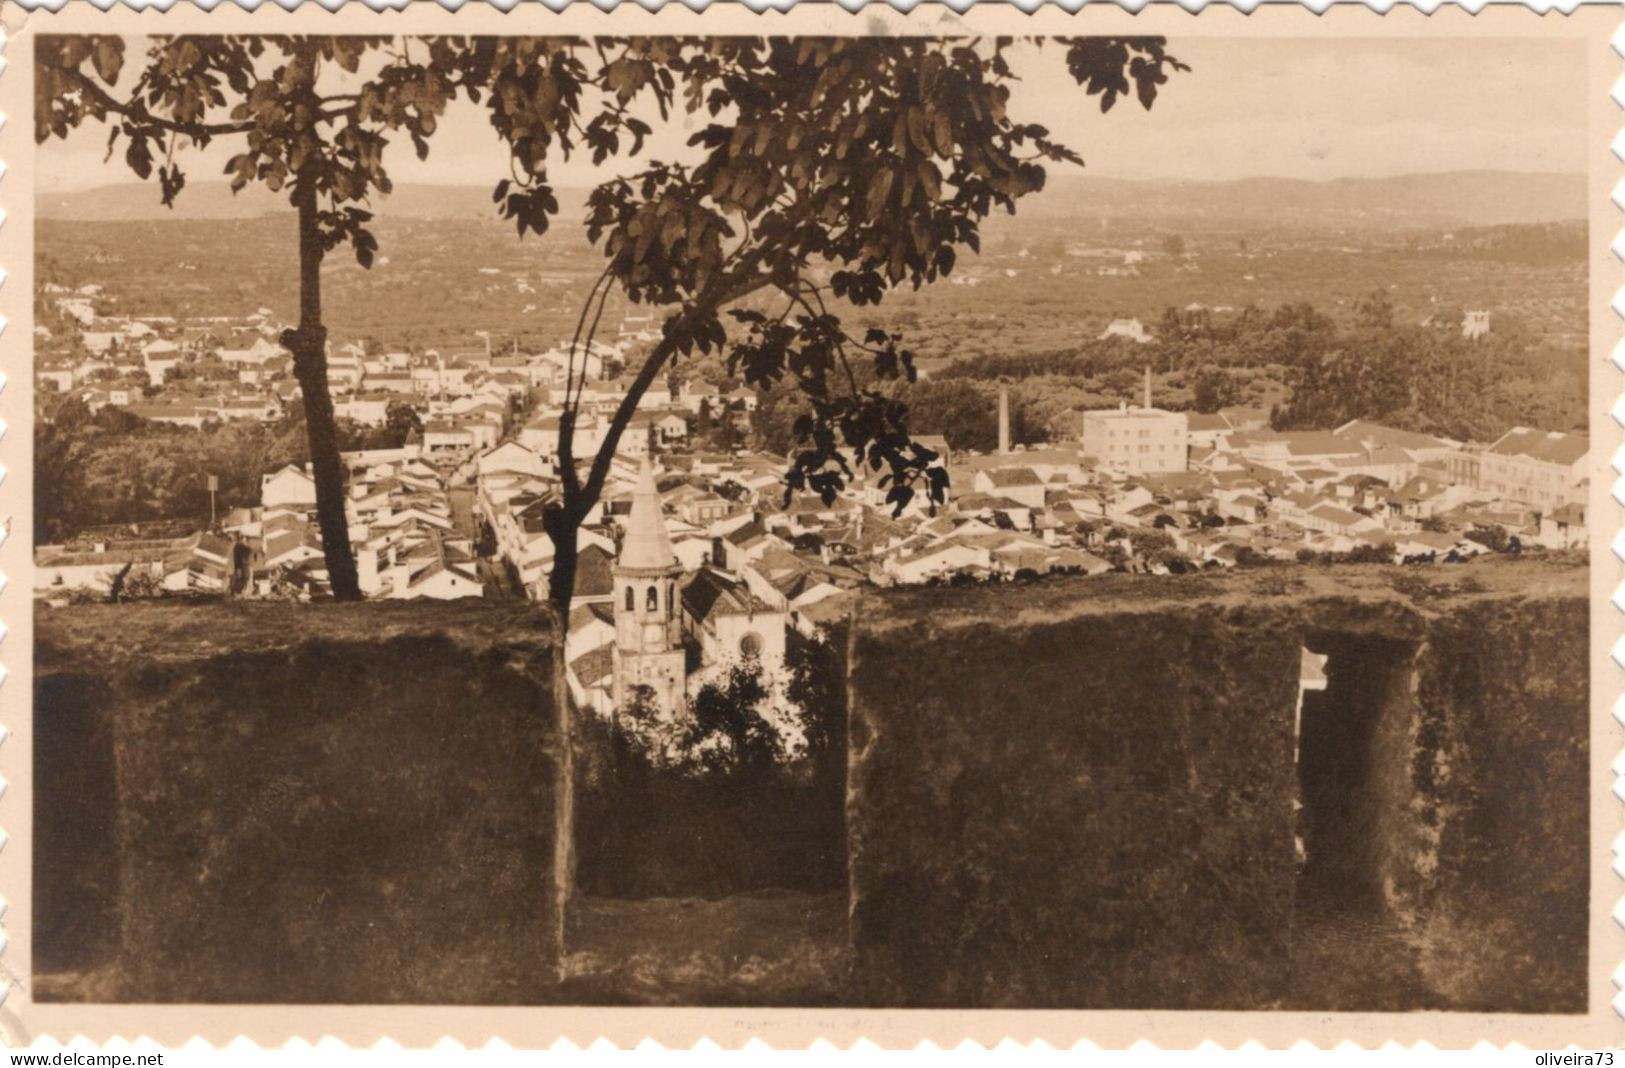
x: 647, y: 547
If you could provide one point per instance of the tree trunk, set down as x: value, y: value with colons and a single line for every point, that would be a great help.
x: 563, y: 528
x: 308, y: 344
x: 565, y: 533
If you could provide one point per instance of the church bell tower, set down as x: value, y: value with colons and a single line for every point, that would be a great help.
x: 648, y: 628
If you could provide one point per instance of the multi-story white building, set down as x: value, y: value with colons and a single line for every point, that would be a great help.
x: 1137, y: 441
x: 1543, y: 469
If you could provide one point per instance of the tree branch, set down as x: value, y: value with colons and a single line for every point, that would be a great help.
x: 569, y: 411
x: 137, y: 113
x: 663, y: 352
x: 841, y: 337
x: 140, y: 114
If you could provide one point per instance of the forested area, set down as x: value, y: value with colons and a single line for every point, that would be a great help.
x: 113, y: 467
x: 1532, y: 244
x: 1307, y: 368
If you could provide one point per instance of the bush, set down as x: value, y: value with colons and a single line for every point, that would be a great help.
x: 1492, y: 536
x: 727, y: 807
x: 141, y: 585
x: 1148, y: 543
x: 1362, y: 554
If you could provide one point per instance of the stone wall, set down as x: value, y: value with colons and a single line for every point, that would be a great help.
x: 1499, y: 892
x: 1074, y: 793
x: 1081, y: 793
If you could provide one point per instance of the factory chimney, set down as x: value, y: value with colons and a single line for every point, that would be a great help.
x: 1004, y: 420
x: 1147, y: 404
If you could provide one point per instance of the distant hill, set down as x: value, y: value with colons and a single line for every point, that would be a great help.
x: 214, y: 200
x: 1463, y: 198
x: 1459, y: 198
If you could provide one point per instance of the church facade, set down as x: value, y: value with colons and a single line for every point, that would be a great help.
x: 649, y: 657
x: 674, y: 630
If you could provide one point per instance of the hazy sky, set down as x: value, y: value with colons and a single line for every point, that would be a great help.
x: 1296, y: 108
x: 1331, y: 109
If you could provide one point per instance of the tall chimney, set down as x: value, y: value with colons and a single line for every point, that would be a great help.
x: 1004, y: 420
x: 1147, y: 386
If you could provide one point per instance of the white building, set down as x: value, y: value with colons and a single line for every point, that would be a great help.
x: 368, y: 409
x: 442, y: 435
x: 1137, y: 441
x: 159, y: 358
x: 514, y: 458
x: 1020, y: 484
x: 934, y: 561
x: 541, y: 434
x: 1132, y: 329
x: 1543, y: 469
x: 290, y: 487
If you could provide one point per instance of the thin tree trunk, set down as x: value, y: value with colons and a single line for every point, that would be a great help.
x: 308, y: 344
x: 563, y: 529
x: 563, y: 526
x: 565, y: 533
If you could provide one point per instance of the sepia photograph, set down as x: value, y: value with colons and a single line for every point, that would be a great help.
x: 920, y: 519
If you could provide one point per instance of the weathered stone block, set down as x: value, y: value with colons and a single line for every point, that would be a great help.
x: 1501, y: 896
x: 344, y: 803
x: 1083, y: 793
x: 1093, y: 808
